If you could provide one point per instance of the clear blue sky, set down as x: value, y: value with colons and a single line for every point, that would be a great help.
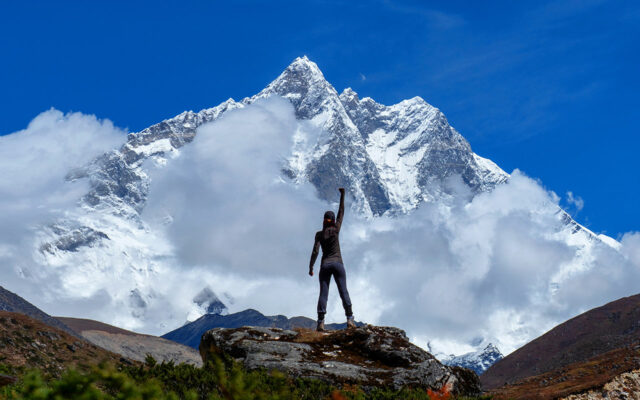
x: 547, y: 87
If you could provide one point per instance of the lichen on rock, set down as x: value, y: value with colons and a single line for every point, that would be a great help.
x: 369, y: 356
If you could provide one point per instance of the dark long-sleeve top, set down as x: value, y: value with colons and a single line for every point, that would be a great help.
x: 328, y: 239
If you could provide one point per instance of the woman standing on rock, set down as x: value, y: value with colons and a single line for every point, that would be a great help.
x: 331, y: 264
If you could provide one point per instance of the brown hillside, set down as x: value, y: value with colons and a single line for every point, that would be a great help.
x: 573, y: 378
x: 26, y: 342
x: 11, y: 302
x: 81, y: 324
x: 598, y: 331
x: 132, y: 345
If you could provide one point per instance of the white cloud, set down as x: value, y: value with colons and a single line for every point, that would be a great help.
x: 575, y: 201
x: 631, y: 247
x: 33, y: 189
x: 220, y: 215
x: 229, y: 205
x: 494, y: 268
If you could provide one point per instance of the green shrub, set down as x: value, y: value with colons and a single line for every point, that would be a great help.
x: 218, y: 380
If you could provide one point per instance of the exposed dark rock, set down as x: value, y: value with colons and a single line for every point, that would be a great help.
x: 71, y: 239
x: 368, y: 356
x: 7, y: 380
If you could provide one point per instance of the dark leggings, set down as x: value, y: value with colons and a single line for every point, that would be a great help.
x: 326, y: 271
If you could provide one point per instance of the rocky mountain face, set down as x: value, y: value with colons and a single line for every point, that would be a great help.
x: 391, y: 158
x: 368, y: 356
x: 622, y: 387
x: 477, y: 361
x: 190, y: 333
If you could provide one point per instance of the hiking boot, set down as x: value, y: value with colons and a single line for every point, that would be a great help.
x: 320, y: 327
x: 351, y: 323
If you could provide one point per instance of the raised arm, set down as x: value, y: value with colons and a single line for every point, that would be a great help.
x: 314, y: 253
x: 340, y: 210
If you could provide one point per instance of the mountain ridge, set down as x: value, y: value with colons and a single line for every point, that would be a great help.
x: 190, y: 333
x: 477, y: 361
x: 314, y: 99
x: 11, y: 302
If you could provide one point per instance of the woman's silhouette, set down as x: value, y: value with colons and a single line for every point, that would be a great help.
x: 331, y: 264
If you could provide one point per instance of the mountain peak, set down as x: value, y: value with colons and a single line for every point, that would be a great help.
x: 303, y: 67
x: 349, y: 99
x: 478, y: 361
x: 349, y: 93
x: 414, y: 100
x: 490, y: 347
x: 304, y: 61
x: 209, y: 302
x: 304, y: 85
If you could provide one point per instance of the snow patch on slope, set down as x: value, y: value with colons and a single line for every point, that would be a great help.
x: 477, y: 361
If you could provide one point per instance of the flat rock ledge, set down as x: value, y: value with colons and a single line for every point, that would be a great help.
x: 369, y: 356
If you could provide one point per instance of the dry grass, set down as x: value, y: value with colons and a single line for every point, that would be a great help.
x: 310, y: 335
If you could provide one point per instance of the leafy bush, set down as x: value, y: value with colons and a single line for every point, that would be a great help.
x: 221, y: 379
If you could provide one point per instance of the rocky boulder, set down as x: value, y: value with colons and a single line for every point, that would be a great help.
x: 368, y: 356
x: 7, y: 380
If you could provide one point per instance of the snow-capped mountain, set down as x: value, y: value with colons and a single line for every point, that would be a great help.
x: 209, y: 303
x: 392, y: 159
x: 478, y: 361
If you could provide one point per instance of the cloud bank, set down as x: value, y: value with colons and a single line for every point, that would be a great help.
x: 220, y: 214
x: 497, y: 268
x: 33, y: 189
